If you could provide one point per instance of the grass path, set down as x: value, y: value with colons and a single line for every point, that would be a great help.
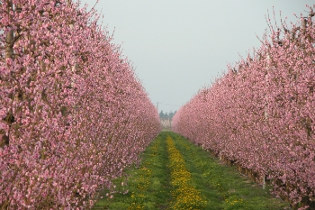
x: 175, y: 174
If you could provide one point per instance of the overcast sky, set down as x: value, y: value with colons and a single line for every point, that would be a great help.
x: 179, y: 46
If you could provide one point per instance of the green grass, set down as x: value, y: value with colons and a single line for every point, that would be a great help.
x: 222, y: 186
x: 148, y: 184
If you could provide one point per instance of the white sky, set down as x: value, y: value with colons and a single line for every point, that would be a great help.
x: 179, y: 46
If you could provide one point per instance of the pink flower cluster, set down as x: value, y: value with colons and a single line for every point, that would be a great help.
x: 260, y: 114
x: 72, y: 113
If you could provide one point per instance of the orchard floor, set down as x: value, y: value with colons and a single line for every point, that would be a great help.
x: 176, y: 174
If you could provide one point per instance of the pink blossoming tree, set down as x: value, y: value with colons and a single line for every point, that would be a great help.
x: 72, y: 113
x: 260, y: 114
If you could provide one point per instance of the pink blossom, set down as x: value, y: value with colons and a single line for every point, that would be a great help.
x: 73, y: 111
x: 260, y: 114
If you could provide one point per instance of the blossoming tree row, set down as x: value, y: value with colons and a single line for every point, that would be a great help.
x: 260, y: 114
x: 72, y: 113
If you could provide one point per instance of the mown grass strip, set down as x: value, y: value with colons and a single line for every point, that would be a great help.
x: 147, y: 184
x: 185, y: 195
x: 139, y: 196
x: 223, y: 186
x: 176, y: 174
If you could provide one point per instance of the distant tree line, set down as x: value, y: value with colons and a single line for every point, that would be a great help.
x: 167, y: 116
